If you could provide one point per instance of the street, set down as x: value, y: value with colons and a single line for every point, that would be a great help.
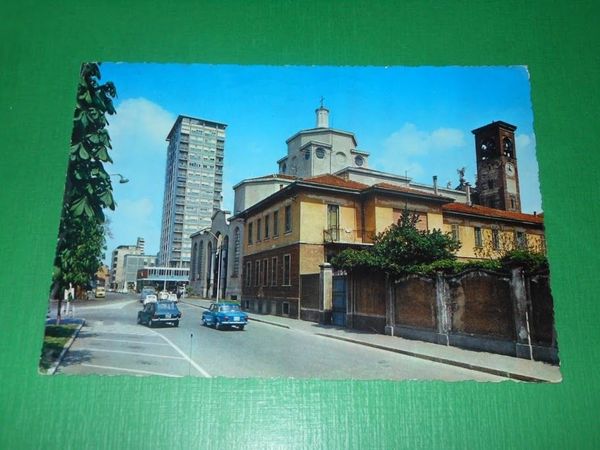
x: 112, y: 343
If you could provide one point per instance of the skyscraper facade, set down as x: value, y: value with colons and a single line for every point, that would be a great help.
x: 193, y: 185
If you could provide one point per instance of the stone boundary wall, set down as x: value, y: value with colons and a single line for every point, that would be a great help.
x: 510, y: 314
x: 504, y: 313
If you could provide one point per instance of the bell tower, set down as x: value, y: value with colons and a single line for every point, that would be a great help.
x: 497, y: 172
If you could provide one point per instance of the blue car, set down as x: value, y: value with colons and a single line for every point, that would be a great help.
x: 221, y: 315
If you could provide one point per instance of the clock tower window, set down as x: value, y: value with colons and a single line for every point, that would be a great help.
x: 507, y: 147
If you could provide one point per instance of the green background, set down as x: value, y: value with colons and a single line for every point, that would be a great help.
x: 41, y: 47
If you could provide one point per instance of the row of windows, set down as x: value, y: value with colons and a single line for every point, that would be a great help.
x: 263, y: 224
x: 520, y: 237
x: 266, y: 272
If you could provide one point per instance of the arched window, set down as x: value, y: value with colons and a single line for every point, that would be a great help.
x: 199, y: 261
x: 508, y: 147
x: 235, y: 270
x: 193, y: 261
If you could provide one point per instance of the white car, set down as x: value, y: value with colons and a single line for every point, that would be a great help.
x: 150, y: 298
x: 145, y: 292
x: 164, y: 295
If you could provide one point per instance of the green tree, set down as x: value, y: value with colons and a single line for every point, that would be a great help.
x: 401, y: 248
x: 88, y: 189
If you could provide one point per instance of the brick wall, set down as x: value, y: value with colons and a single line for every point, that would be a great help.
x: 415, y: 303
x: 481, y: 303
x: 368, y: 293
x: 309, y: 291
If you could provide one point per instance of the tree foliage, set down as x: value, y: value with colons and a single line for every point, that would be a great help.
x: 88, y: 189
x: 81, y: 259
x: 401, y: 249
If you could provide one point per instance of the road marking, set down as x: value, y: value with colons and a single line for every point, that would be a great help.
x: 119, y: 305
x: 128, y: 353
x: 127, y: 341
x: 101, y: 329
x: 146, y: 372
x: 196, y: 366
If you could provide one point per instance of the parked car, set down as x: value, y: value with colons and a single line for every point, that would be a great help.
x: 224, y: 314
x: 146, y: 292
x: 159, y: 312
x: 100, y: 292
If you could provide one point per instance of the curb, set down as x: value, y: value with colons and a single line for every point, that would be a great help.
x: 55, y: 364
x: 270, y: 323
x: 249, y: 317
x: 501, y: 373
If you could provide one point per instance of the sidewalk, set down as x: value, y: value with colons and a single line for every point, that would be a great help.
x: 505, y: 366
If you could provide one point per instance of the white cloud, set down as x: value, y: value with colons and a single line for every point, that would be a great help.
x: 136, y: 210
x: 409, y: 150
x: 139, y: 126
x: 132, y: 219
x: 411, y: 141
x: 138, y: 132
x: 531, y: 199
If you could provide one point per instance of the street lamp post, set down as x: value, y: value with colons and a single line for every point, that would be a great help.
x: 122, y: 179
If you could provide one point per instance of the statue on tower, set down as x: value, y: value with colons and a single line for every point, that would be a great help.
x: 462, y: 182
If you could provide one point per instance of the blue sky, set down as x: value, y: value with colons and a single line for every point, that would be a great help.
x: 416, y: 121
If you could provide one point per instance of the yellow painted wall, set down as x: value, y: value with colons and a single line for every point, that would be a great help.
x: 384, y: 218
x: 314, y: 221
x: 311, y: 257
x: 535, y: 240
x: 435, y: 221
x: 369, y: 219
x: 272, y: 242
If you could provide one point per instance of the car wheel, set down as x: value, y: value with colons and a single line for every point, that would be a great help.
x: 217, y: 324
x: 139, y: 320
x: 204, y: 322
x: 150, y: 323
x: 176, y: 323
x: 242, y: 327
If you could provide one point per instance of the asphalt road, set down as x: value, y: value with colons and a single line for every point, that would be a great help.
x: 112, y: 343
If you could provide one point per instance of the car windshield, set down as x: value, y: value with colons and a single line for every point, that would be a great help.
x: 163, y: 306
x: 227, y: 308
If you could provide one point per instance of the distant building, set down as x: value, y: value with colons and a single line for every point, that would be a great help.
x: 193, y: 185
x: 163, y: 278
x: 132, y: 263
x: 141, y: 244
x: 117, y: 263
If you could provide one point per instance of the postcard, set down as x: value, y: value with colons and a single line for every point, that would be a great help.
x: 363, y: 223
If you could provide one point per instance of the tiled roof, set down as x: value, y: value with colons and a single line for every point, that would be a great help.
x: 332, y: 180
x: 491, y: 212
